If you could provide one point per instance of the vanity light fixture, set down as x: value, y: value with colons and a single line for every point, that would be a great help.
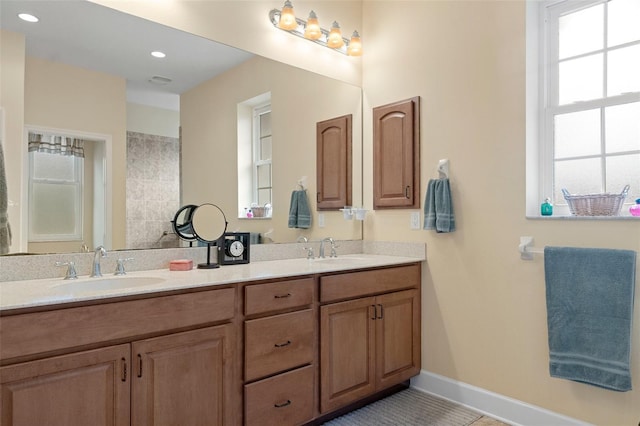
x: 334, y: 40
x: 28, y: 17
x: 312, y: 29
x: 355, y: 45
x: 286, y: 20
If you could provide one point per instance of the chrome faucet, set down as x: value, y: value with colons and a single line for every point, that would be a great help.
x: 309, y: 249
x: 71, y: 270
x: 333, y: 248
x: 99, y: 252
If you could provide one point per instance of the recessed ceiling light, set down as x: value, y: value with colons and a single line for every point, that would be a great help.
x: 28, y: 17
x: 158, y: 54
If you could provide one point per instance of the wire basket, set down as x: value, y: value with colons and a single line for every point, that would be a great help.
x: 261, y: 211
x: 596, y: 204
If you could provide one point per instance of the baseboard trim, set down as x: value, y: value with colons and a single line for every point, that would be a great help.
x: 498, y: 406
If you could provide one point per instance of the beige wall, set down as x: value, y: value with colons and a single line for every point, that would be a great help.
x: 209, y: 131
x: 65, y: 97
x: 12, y: 54
x: 484, y: 313
x: 152, y: 120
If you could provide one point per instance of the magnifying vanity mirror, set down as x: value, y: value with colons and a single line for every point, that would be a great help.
x: 86, y: 94
x: 209, y: 225
x: 183, y: 222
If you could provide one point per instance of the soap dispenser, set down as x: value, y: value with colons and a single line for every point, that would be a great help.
x: 546, y: 209
x: 635, y: 209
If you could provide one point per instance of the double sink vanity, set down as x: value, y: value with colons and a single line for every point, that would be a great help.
x: 278, y: 342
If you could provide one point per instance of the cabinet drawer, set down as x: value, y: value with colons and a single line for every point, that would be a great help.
x: 278, y: 343
x: 62, y: 329
x: 261, y: 298
x: 282, y: 400
x: 364, y: 283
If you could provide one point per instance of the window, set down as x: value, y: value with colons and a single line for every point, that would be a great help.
x: 262, y: 149
x: 588, y: 93
x: 55, y: 197
x: 255, y: 167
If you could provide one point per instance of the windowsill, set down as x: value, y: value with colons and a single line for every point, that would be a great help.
x: 253, y: 218
x: 571, y: 217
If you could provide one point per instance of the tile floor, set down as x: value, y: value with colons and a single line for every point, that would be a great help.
x: 488, y: 421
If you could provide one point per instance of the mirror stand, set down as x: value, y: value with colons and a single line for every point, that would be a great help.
x: 209, y: 265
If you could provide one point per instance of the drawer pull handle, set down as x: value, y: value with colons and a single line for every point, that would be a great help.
x: 139, y: 365
x: 124, y: 370
x: 375, y: 311
x: 283, y: 296
x: 281, y: 345
x: 381, y: 315
x: 284, y: 404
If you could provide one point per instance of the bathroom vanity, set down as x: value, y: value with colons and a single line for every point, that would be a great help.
x: 269, y: 343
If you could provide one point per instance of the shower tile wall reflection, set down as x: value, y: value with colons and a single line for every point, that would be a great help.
x: 153, y: 190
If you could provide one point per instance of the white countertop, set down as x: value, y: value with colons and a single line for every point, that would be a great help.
x: 55, y: 291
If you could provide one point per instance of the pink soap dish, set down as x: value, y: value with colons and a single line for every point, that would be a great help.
x: 181, y: 265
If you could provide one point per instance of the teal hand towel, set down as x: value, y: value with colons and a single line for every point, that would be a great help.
x: 589, y: 295
x: 299, y: 211
x: 438, y: 207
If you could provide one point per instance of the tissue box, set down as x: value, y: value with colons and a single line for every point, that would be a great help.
x: 181, y: 265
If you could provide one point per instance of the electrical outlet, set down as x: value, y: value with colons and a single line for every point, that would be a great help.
x: 415, y: 220
x: 320, y: 220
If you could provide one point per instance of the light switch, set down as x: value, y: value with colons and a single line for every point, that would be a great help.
x: 415, y: 220
x: 320, y: 220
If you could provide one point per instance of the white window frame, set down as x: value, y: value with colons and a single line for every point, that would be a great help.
x: 78, y: 185
x: 258, y: 111
x: 542, y: 99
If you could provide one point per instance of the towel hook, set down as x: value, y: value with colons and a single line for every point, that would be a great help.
x: 526, y: 248
x: 302, y: 183
x: 443, y: 168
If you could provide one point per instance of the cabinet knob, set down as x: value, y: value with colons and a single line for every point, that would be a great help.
x: 282, y: 345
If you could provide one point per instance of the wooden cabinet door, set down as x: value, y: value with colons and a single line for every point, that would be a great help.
x: 333, y: 163
x: 396, y: 155
x: 185, y: 379
x: 397, y: 337
x: 85, y: 388
x: 347, y: 344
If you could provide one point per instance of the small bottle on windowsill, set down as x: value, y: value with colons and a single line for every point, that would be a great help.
x: 546, y: 209
x: 635, y: 209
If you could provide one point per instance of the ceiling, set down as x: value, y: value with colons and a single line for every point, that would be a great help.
x: 91, y: 36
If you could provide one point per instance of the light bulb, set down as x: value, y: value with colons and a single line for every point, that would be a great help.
x: 287, y: 17
x: 312, y: 29
x: 355, y: 45
x: 335, y: 37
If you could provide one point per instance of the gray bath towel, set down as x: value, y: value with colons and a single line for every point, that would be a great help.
x: 589, y: 314
x: 5, y: 229
x: 299, y: 212
x: 438, y: 207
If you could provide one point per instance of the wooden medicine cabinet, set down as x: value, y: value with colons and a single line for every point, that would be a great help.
x: 333, y: 163
x: 396, y: 155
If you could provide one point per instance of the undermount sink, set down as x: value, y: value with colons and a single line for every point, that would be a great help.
x: 340, y: 260
x: 108, y: 283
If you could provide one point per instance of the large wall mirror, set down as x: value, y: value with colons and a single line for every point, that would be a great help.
x: 165, y: 138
